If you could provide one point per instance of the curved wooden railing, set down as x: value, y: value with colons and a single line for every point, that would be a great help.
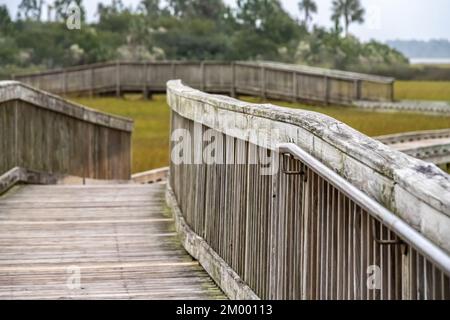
x: 43, y: 132
x: 341, y: 216
x: 265, y: 79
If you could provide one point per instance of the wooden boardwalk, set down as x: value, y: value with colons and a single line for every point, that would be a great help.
x: 120, y: 238
x: 419, y: 144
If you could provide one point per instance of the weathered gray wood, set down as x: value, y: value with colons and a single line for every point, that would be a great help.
x: 118, y: 79
x: 414, y: 136
x: 20, y: 175
x: 119, y: 255
x: 152, y: 176
x: 267, y: 79
x: 295, y: 235
x: 12, y: 90
x: 420, y: 106
x: 233, y: 80
x: 92, y: 84
x: 10, y: 178
x: 432, y: 146
x: 43, y: 132
x: 217, y: 268
x: 396, y: 180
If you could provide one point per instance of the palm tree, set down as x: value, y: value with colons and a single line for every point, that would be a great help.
x: 350, y: 10
x: 336, y: 18
x: 308, y: 7
x: 31, y: 9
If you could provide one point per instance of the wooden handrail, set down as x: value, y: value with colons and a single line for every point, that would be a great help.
x: 48, y: 133
x: 424, y: 246
x: 312, y: 223
x: 15, y: 90
x: 285, y: 81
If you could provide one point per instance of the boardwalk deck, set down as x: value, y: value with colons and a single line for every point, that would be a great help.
x: 418, y: 144
x: 119, y: 236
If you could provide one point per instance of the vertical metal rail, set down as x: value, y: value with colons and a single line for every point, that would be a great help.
x: 405, y: 265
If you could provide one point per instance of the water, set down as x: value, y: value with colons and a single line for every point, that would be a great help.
x: 430, y: 60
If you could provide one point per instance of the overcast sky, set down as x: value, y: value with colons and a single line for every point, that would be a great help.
x: 385, y: 19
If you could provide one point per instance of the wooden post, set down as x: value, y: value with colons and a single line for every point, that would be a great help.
x: 145, y: 91
x: 392, y: 91
x: 118, y: 93
x: 357, y: 88
x: 263, y: 82
x: 327, y: 90
x: 294, y: 87
x: 233, y: 80
x: 39, y: 80
x: 203, y: 80
x: 91, y: 90
x: 173, y: 70
x: 65, y: 82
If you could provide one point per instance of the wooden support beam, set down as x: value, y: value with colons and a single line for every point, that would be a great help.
x: 294, y: 87
x: 124, y: 78
x: 173, y: 70
x: 263, y: 82
x: 202, y: 76
x: 357, y: 88
x: 92, y: 84
x: 118, y: 79
x: 65, y: 84
x: 233, y: 80
x: 392, y: 91
x: 327, y: 89
x: 145, y: 90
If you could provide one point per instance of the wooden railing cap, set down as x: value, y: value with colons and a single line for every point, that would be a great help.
x: 399, y: 181
x: 14, y: 90
x: 347, y: 75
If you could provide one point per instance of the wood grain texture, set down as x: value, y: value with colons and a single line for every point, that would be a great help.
x: 291, y: 235
x: 41, y: 132
x: 399, y: 182
x: 265, y: 79
x: 127, y: 249
x: 431, y: 145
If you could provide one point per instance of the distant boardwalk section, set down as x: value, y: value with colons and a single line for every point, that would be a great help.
x: 265, y: 79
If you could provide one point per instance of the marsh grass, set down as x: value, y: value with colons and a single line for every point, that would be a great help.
x: 151, y: 131
x: 372, y: 123
x: 438, y: 65
x: 422, y: 90
x: 151, y: 127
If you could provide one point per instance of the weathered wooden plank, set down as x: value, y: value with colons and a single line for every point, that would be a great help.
x: 266, y: 79
x: 301, y: 235
x: 121, y: 253
x: 152, y: 176
x: 42, y: 132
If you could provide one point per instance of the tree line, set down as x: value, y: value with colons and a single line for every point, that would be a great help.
x: 187, y: 29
